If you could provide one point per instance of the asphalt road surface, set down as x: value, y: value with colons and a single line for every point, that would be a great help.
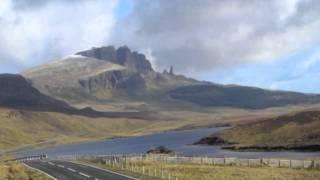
x: 63, y: 170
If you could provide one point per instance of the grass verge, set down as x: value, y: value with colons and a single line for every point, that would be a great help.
x: 17, y: 171
x: 209, y: 172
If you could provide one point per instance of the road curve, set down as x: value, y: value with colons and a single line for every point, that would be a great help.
x: 64, y: 170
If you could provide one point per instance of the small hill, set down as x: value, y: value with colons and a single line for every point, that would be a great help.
x: 240, y: 96
x: 298, y: 131
x: 16, y: 92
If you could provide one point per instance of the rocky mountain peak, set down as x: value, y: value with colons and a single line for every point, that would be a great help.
x: 123, y: 56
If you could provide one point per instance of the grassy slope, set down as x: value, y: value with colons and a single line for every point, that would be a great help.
x: 294, y: 129
x: 14, y: 171
x: 206, y: 172
x: 19, y: 128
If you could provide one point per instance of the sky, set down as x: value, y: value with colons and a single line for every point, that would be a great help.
x: 270, y: 44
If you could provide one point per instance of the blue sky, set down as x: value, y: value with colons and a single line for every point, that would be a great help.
x: 229, y: 42
x: 124, y: 8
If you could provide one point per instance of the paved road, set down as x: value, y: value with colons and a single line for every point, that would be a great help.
x: 63, y: 170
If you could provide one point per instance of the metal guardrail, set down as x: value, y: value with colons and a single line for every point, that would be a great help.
x: 28, y: 158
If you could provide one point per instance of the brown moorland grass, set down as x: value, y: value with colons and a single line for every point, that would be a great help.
x: 301, y: 128
x: 14, y: 171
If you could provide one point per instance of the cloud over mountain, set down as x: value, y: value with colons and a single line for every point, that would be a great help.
x: 202, y: 35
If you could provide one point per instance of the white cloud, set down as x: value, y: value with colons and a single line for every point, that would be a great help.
x: 198, y: 36
x: 33, y: 32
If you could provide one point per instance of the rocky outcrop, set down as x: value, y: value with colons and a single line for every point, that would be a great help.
x: 122, y: 56
x: 160, y: 150
x: 212, y: 140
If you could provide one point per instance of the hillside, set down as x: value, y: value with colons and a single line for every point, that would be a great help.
x: 17, y: 93
x: 297, y: 131
x: 21, y: 129
x: 240, y: 96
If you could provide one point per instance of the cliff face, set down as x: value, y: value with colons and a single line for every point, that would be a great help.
x: 131, y: 82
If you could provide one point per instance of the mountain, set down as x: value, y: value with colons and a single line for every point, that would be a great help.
x: 240, y: 96
x: 108, y: 74
x: 102, y: 73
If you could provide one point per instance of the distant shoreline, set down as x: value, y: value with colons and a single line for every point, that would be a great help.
x: 297, y: 148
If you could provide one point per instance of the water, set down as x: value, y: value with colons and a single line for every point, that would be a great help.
x: 179, y: 141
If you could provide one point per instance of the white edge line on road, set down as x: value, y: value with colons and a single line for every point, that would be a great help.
x: 35, y: 169
x: 106, y: 170
x: 85, y: 175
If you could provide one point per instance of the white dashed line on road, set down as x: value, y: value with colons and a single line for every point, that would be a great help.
x: 60, y: 166
x: 51, y: 163
x: 72, y: 170
x: 85, y: 175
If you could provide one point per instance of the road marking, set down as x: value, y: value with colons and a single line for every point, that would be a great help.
x: 51, y: 163
x: 106, y: 170
x: 53, y: 178
x: 72, y: 170
x: 60, y: 166
x: 85, y: 175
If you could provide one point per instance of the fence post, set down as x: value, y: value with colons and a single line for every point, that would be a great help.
x: 314, y: 164
x: 290, y: 164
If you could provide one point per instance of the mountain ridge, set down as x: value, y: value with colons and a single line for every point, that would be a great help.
x: 241, y: 96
